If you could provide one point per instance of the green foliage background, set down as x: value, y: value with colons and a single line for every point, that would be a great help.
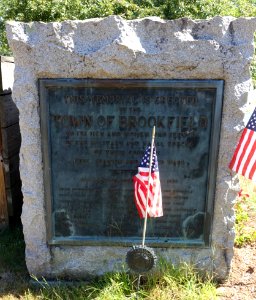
x: 58, y: 10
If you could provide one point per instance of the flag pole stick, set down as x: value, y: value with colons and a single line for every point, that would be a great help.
x: 149, y: 179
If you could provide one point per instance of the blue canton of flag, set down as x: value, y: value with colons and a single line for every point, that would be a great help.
x: 141, y: 186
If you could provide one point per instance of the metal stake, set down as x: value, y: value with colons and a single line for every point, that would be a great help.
x: 149, y: 179
x: 146, y: 212
x: 138, y: 287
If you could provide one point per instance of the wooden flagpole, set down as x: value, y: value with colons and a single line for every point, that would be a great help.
x: 149, y: 179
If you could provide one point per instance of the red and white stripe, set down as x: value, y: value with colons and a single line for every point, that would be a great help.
x: 140, y: 193
x: 244, y: 159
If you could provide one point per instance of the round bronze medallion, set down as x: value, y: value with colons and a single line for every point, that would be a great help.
x: 141, y: 259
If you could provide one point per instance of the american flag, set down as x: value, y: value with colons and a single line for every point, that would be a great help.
x: 244, y: 158
x: 141, y: 186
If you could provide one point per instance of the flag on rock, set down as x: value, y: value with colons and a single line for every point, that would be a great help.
x: 244, y: 158
x: 141, y: 186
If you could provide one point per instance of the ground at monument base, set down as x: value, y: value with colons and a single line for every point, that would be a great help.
x: 15, y: 282
x: 241, y: 284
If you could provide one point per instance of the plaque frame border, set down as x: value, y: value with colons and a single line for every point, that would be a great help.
x: 218, y: 84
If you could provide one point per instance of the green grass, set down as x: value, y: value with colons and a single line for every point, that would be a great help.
x: 245, y: 221
x: 169, y: 283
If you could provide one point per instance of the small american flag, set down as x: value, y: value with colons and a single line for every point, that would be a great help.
x: 244, y: 158
x: 141, y: 186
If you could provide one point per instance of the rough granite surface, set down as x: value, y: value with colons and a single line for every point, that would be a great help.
x: 150, y: 48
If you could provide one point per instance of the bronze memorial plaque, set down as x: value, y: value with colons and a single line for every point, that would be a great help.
x: 94, y: 134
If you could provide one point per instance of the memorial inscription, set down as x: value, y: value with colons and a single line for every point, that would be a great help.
x: 95, y: 132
